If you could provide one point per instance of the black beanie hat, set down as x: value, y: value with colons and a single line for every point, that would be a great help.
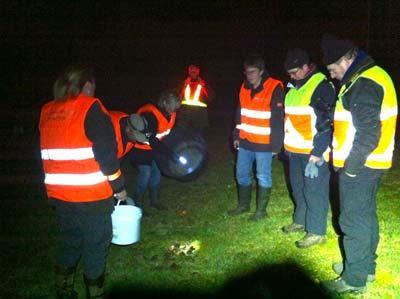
x: 334, y: 48
x: 296, y: 58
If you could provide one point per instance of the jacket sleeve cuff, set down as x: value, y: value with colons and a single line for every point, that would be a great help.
x: 118, y: 185
x: 235, y: 134
x: 317, y: 152
x: 117, y: 181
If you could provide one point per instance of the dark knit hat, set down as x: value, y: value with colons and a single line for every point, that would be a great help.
x: 334, y: 48
x: 296, y: 58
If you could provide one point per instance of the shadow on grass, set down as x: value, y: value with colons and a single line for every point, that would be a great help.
x: 271, y: 281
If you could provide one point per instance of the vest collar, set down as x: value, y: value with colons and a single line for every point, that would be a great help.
x: 299, y: 83
x: 361, y: 63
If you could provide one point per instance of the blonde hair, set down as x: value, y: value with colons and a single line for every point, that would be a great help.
x: 70, y: 83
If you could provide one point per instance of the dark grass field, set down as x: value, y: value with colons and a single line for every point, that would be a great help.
x: 233, y: 256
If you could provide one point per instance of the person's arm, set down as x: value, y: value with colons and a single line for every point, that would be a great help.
x: 235, y: 132
x: 365, y: 106
x: 323, y: 102
x: 276, y: 121
x: 99, y: 130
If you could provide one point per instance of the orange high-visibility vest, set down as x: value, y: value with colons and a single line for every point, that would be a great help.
x: 164, y: 126
x: 71, y: 172
x: 116, y: 117
x: 256, y: 113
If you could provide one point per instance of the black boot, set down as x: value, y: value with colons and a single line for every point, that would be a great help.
x: 263, y: 196
x: 154, y: 194
x: 94, y: 287
x: 65, y: 283
x: 244, y: 198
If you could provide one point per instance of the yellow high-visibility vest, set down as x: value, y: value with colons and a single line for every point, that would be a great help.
x: 300, y: 117
x: 344, y: 131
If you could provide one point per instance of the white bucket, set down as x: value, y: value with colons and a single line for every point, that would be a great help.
x: 126, y: 224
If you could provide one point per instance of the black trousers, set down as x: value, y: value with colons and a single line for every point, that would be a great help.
x: 359, y: 223
x: 311, y: 195
x: 86, y: 233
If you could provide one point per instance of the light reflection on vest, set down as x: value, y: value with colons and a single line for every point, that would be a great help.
x: 195, y: 99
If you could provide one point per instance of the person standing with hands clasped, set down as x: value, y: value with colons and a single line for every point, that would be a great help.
x: 363, y: 143
x: 308, y: 127
x: 258, y: 133
x: 82, y: 175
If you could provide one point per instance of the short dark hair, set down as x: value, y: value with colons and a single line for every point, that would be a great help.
x: 254, y: 61
x: 71, y: 81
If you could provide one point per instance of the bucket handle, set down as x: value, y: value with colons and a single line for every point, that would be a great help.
x: 131, y: 200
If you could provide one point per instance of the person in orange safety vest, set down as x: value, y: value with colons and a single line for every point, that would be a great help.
x: 258, y: 134
x: 82, y: 176
x: 160, y: 119
x: 194, y: 91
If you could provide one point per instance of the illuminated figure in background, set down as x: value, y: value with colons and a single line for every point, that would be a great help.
x: 363, y: 142
x: 194, y: 90
x: 196, y: 97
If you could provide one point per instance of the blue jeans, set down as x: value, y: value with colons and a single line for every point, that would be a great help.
x: 149, y: 176
x: 311, y: 196
x: 244, y: 168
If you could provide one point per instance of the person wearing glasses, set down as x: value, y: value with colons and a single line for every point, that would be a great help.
x: 309, y: 106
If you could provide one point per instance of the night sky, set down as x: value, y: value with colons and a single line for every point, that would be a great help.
x: 141, y: 48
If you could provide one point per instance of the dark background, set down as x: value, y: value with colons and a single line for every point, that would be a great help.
x: 139, y: 48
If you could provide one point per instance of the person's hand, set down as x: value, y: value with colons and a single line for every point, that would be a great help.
x: 311, y: 170
x: 122, y: 196
x: 236, y: 144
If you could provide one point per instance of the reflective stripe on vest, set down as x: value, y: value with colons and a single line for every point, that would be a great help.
x: 195, y: 100
x: 300, y: 118
x: 68, y: 179
x: 164, y: 126
x: 255, y: 113
x: 344, y: 131
x: 71, y: 171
